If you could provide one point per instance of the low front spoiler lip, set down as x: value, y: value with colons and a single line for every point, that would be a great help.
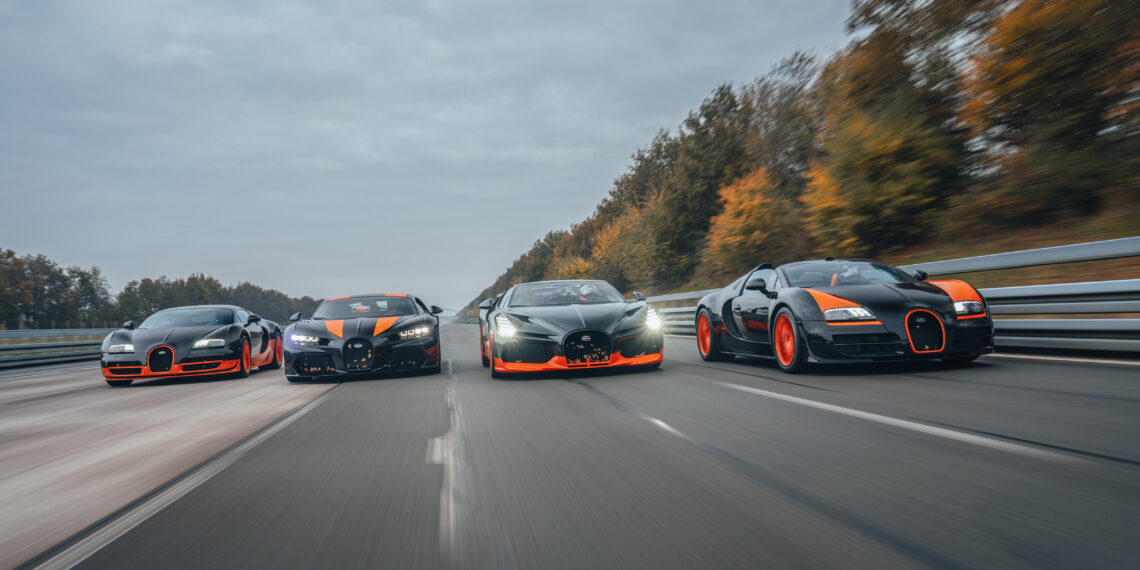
x: 176, y: 371
x: 558, y: 363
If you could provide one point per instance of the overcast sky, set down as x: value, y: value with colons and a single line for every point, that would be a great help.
x: 326, y: 148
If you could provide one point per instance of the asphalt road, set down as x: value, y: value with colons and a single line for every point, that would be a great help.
x: 1006, y: 463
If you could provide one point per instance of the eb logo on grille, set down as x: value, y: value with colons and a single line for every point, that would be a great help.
x: 586, y: 338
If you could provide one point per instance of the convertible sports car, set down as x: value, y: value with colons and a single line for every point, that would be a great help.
x: 201, y: 340
x: 565, y: 325
x: 363, y: 334
x: 843, y: 310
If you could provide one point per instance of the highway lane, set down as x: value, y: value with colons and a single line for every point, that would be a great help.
x: 1004, y: 463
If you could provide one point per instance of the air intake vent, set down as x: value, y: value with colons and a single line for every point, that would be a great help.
x: 357, y: 354
x: 925, y: 332
x: 587, y: 348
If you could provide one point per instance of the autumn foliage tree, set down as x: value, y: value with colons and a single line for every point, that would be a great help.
x: 757, y: 224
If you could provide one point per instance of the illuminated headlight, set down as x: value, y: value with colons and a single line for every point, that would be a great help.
x: 506, y: 327
x: 652, y: 320
x: 418, y: 332
x: 210, y: 343
x: 304, y: 340
x: 848, y: 314
x: 968, y: 308
x: 120, y: 348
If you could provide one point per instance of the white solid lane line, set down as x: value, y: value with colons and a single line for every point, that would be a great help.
x: 991, y: 443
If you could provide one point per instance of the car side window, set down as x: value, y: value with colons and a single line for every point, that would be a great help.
x: 242, y: 316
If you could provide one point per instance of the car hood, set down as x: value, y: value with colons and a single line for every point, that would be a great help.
x: 364, y: 327
x: 888, y: 298
x: 181, y: 339
x: 566, y: 318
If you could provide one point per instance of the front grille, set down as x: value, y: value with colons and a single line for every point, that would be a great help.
x: 586, y: 348
x: 634, y: 346
x: 161, y: 359
x: 924, y: 329
x: 199, y: 367
x: 314, y: 364
x: 869, y: 344
x: 124, y: 371
x: 399, y: 358
x: 357, y: 354
x: 529, y: 352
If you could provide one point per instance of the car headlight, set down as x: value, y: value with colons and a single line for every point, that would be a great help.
x: 849, y: 314
x: 652, y: 319
x: 968, y: 308
x: 120, y: 348
x: 210, y: 343
x: 506, y: 327
x: 304, y: 340
x: 418, y: 332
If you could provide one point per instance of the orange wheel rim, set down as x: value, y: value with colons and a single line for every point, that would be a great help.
x: 704, y: 334
x: 785, y: 340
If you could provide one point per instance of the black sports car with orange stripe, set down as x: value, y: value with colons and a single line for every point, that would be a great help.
x: 842, y: 310
x: 363, y: 334
x: 566, y: 325
x: 200, y: 340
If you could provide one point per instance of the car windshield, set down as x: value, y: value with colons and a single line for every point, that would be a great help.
x: 356, y: 307
x: 188, y: 318
x: 840, y: 272
x: 564, y: 293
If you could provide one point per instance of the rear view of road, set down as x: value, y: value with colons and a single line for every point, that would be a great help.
x: 1009, y: 463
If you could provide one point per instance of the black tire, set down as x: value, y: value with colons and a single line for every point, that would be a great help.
x: 483, y: 350
x: 708, y: 344
x: 278, y: 356
x: 791, y: 353
x: 243, y: 360
x: 119, y: 383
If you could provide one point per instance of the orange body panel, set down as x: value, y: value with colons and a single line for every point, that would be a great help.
x: 827, y: 301
x: 383, y: 324
x: 940, y: 325
x: 960, y: 291
x: 338, y: 298
x: 559, y: 363
x: 395, y: 294
x: 224, y: 366
x: 335, y: 327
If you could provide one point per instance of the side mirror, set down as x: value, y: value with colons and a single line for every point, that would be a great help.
x: 757, y: 284
x: 637, y: 296
x: 129, y: 325
x: 253, y: 319
x: 294, y: 317
x: 436, y: 309
x: 487, y: 304
x: 921, y: 275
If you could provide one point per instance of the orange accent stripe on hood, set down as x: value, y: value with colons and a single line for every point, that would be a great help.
x: 395, y: 294
x: 335, y: 327
x: 383, y: 324
x: 826, y: 301
x: 958, y: 290
x: 338, y: 298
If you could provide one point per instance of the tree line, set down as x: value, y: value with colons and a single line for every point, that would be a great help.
x: 35, y: 292
x: 937, y: 118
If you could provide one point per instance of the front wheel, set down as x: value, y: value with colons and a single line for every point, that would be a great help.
x: 495, y: 373
x: 707, y: 343
x: 483, y: 350
x: 243, y: 370
x: 788, y: 343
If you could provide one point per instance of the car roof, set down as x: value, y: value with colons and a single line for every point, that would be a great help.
x: 231, y: 307
x: 369, y: 295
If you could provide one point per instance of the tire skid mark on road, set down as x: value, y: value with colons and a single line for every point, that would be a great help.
x: 992, y: 443
x: 1068, y: 393
x: 922, y: 555
x: 750, y: 374
x: 1061, y: 448
x: 90, y: 540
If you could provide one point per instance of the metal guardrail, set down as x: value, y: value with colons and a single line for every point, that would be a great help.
x: 43, y: 346
x: 1094, y: 297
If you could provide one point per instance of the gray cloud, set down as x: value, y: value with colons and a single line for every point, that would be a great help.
x: 333, y: 147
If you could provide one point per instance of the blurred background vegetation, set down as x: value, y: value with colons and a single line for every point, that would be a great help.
x: 943, y: 129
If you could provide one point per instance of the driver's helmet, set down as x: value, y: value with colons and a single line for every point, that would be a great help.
x: 587, y: 290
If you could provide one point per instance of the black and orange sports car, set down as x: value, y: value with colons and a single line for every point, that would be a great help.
x: 201, y: 340
x: 363, y: 334
x: 843, y: 310
x: 567, y: 325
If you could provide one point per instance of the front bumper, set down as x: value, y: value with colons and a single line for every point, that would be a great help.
x: 131, y: 366
x: 878, y: 342
x: 637, y: 349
